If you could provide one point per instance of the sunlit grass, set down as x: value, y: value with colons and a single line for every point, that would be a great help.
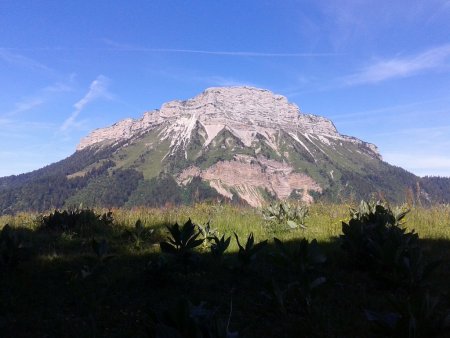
x: 22, y: 219
x: 324, y: 221
x: 430, y: 223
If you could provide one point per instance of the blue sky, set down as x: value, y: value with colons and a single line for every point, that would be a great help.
x: 380, y: 70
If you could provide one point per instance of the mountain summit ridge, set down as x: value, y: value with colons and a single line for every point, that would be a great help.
x: 245, y: 111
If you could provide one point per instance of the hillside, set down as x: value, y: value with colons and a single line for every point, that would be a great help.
x: 243, y: 144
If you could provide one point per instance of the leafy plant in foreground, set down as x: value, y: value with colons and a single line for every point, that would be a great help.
x: 182, y: 240
x: 378, y: 212
x: 284, y: 213
x: 368, y: 228
x: 219, y: 246
x: 248, y: 252
x: 139, y: 234
x: 374, y: 239
x: 399, y: 260
x: 304, y: 257
x: 207, y: 233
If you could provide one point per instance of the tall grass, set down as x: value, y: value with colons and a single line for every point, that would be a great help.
x: 324, y: 221
x: 430, y: 223
x: 23, y: 219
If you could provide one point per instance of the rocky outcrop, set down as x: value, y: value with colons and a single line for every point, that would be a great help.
x: 247, y: 176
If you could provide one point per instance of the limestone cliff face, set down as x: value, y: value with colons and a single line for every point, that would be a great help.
x: 246, y: 112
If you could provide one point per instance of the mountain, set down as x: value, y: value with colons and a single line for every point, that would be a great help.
x: 244, y: 144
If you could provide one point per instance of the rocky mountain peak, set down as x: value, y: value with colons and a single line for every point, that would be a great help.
x: 235, y: 103
x: 248, y: 98
x: 248, y: 113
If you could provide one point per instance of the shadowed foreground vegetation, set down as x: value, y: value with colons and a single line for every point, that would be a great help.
x: 102, y: 273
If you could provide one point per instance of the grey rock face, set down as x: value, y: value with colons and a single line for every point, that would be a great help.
x: 245, y: 111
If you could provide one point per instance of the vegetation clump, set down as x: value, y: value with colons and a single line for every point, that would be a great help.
x: 286, y: 214
x: 139, y: 234
x: 375, y: 240
x: 181, y: 241
x: 219, y: 246
x: 248, y: 252
x: 370, y: 226
x: 75, y: 220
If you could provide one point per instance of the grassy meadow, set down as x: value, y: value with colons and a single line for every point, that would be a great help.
x: 112, y: 280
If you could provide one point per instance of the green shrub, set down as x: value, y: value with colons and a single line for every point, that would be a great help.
x: 375, y: 241
x: 81, y: 220
x: 369, y: 227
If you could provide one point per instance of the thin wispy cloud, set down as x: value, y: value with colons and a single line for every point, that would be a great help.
x: 58, y: 88
x: 119, y: 47
x: 114, y: 46
x: 41, y: 97
x: 97, y: 90
x: 127, y: 48
x: 21, y: 129
x: 26, y: 105
x: 401, y: 67
x: 22, y: 61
